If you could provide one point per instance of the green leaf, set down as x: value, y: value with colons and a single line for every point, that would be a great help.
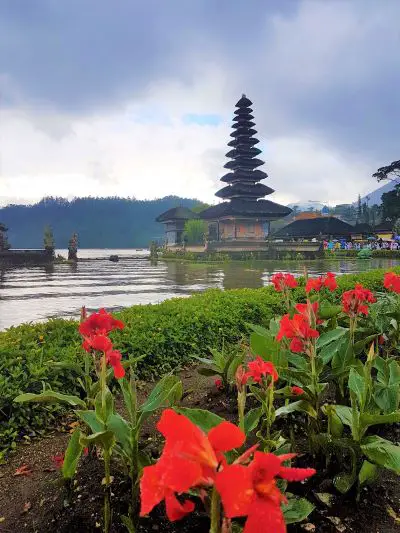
x: 50, y: 397
x: 368, y: 473
x: 251, y: 419
x: 345, y: 414
x: 105, y: 439
x: 327, y: 311
x: 368, y: 419
x: 344, y: 481
x: 104, y: 413
x: 90, y: 418
x: 359, y: 346
x: 233, y: 366
x: 301, y: 405
x: 121, y: 430
x: 330, y: 336
x: 129, y: 394
x: 166, y: 388
x: 298, y: 361
x: 296, y: 509
x: 72, y: 455
x: 382, y: 452
x: 212, y: 371
x: 205, y: 420
x: 358, y: 386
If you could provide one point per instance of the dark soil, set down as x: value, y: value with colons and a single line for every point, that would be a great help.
x: 39, y: 503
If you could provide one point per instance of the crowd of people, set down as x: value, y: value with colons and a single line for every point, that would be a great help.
x: 378, y: 244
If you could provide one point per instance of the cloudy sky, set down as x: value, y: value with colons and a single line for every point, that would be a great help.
x: 135, y: 98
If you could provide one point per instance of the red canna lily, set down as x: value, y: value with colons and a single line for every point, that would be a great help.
x: 113, y: 358
x: 297, y: 391
x: 283, y: 281
x: 391, y: 281
x: 99, y: 323
x: 355, y: 301
x: 251, y: 491
x: 330, y: 281
x: 258, y: 369
x: 190, y: 458
x: 316, y: 284
x: 100, y: 343
x: 298, y: 329
x: 162, y: 480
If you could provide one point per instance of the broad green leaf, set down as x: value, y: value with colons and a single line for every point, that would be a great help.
x: 233, y: 366
x: 387, y: 397
x: 129, y: 395
x: 72, y: 455
x: 336, y: 425
x: 394, y: 373
x: 344, y: 481
x: 330, y: 336
x: 367, y: 419
x: 50, y: 397
x: 251, y: 419
x: 382, y: 452
x: 164, y: 389
x: 205, y: 420
x: 104, y: 411
x: 298, y: 361
x: 368, y: 473
x: 90, y: 418
x: 327, y: 311
x: 301, y: 405
x: 296, y: 509
x: 205, y: 361
x: 345, y: 414
x: 359, y: 346
x: 121, y: 430
x: 358, y: 386
x: 211, y: 371
x: 105, y: 439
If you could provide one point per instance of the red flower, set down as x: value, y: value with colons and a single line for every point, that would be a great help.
x: 218, y: 384
x: 283, y: 281
x: 113, y: 358
x: 316, y: 284
x: 58, y: 460
x: 161, y: 482
x: 355, y: 301
x: 258, y: 369
x: 251, y: 491
x: 330, y: 281
x: 100, y: 343
x: 298, y: 329
x: 190, y: 458
x: 391, y: 282
x: 99, y: 323
x: 297, y: 391
x: 240, y: 378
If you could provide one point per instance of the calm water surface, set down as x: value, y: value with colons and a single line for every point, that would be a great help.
x: 38, y: 293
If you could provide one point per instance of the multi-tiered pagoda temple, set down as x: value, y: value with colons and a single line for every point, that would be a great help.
x: 242, y: 221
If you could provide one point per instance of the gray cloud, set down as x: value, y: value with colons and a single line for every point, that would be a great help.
x: 330, y: 68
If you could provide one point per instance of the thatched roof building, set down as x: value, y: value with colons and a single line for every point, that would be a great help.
x: 319, y: 228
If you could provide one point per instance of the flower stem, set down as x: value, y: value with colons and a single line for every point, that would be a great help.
x: 215, y: 513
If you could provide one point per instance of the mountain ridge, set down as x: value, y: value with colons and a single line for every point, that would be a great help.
x: 111, y: 222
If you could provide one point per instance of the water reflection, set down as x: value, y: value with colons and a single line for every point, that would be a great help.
x: 37, y: 293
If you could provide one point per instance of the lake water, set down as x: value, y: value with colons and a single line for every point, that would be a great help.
x: 38, y: 293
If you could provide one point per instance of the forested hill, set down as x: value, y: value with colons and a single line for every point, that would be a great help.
x: 99, y: 222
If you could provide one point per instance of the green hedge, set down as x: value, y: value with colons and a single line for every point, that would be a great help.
x: 168, y: 333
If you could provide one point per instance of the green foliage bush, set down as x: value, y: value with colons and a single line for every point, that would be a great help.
x: 169, y: 334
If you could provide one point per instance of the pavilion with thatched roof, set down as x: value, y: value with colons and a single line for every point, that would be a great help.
x: 315, y: 228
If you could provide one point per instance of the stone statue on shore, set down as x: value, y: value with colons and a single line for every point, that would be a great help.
x: 73, y: 248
